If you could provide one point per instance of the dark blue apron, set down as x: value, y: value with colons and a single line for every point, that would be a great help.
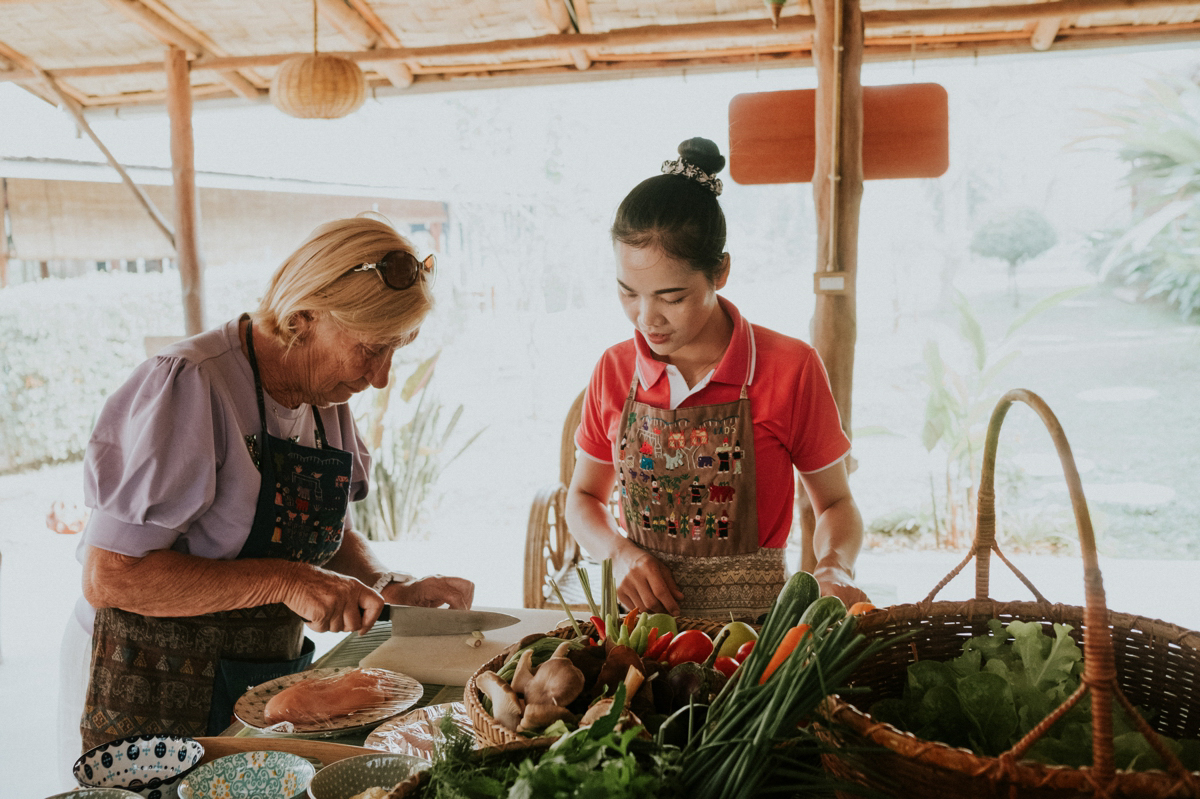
x: 183, y: 675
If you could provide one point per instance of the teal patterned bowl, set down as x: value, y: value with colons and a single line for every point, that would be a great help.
x: 353, y: 775
x: 96, y: 793
x: 249, y: 775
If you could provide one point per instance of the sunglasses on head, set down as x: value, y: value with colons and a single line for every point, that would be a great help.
x: 400, y: 269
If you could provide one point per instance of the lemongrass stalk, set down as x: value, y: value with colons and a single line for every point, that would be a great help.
x: 585, y: 583
x: 566, y: 608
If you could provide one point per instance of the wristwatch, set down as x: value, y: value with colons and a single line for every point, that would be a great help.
x: 389, y: 578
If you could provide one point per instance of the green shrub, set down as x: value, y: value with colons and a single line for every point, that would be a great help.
x: 1158, y: 136
x: 1014, y: 237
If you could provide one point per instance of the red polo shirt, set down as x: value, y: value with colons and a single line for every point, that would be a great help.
x: 796, y: 422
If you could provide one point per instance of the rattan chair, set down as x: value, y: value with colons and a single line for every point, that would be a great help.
x: 551, y: 552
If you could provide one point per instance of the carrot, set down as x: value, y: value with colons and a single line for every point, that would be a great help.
x: 858, y: 608
x: 791, y: 640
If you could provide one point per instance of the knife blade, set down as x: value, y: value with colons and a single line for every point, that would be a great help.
x: 411, y: 620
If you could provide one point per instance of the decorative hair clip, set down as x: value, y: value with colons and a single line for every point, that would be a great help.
x: 689, y: 170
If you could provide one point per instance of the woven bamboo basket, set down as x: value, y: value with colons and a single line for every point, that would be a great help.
x: 1127, y: 659
x: 491, y: 732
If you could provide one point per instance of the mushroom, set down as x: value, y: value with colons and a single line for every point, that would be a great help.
x: 539, y: 717
x: 597, y: 711
x: 524, y: 672
x: 507, y: 707
x: 601, y: 708
x: 556, y: 682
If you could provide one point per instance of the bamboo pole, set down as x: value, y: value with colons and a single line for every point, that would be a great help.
x: 183, y: 170
x: 4, y: 232
x: 837, y: 190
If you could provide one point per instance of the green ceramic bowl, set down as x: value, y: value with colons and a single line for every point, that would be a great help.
x: 96, y: 793
x: 350, y: 777
x: 249, y: 775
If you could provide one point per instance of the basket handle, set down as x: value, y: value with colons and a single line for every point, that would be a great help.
x: 1099, y: 667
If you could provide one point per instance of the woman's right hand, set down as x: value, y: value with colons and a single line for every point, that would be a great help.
x: 332, y: 602
x: 644, y: 582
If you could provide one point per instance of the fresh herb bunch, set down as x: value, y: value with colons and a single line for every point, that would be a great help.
x: 755, y: 737
x: 596, y: 762
x: 1001, y: 686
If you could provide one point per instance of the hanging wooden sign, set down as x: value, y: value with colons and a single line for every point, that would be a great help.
x: 772, y: 135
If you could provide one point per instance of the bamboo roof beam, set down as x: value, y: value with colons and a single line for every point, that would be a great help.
x: 790, y: 27
x: 558, y: 18
x: 398, y: 72
x: 210, y: 47
x: 583, y: 57
x: 1045, y: 30
x: 169, y: 34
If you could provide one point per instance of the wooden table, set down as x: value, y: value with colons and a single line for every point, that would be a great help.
x: 348, y: 652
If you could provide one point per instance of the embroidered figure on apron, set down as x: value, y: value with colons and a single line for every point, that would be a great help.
x: 185, y: 673
x: 711, y: 542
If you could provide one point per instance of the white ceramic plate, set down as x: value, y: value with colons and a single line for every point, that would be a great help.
x: 402, y: 693
x: 413, y: 733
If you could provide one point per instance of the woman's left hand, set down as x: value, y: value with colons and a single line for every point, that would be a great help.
x: 432, y: 592
x: 836, y: 581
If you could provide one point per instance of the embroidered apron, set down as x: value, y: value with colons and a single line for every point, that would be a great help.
x: 688, y: 497
x: 183, y: 675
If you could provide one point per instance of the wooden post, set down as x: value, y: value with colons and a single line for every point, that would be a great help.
x: 837, y: 190
x: 183, y: 170
x: 4, y: 233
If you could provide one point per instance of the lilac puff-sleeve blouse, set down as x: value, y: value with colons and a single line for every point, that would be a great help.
x: 168, y: 465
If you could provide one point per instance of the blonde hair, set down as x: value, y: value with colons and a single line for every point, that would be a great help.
x: 318, y: 277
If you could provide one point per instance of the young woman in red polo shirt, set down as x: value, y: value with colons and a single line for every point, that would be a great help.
x: 700, y: 420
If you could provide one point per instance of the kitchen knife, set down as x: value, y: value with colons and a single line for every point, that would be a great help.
x: 409, y: 620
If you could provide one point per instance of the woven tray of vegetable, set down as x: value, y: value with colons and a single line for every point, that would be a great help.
x: 996, y: 699
x: 545, y: 686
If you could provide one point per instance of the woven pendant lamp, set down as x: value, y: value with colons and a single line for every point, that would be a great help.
x: 318, y: 86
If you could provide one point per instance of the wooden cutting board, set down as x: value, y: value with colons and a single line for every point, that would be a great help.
x: 447, y: 659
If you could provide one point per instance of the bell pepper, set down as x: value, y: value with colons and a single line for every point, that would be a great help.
x: 598, y: 623
x: 659, y: 649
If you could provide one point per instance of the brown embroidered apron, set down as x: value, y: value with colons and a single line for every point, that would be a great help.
x: 182, y: 675
x: 688, y: 497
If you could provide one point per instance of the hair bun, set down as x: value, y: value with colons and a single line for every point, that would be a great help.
x: 703, y: 153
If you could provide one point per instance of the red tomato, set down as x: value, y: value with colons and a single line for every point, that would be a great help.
x: 726, y: 666
x: 690, y: 646
x: 743, y: 651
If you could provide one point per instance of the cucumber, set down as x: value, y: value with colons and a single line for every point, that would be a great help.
x: 800, y: 591
x: 825, y: 611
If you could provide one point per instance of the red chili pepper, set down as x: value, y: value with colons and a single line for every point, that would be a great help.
x: 631, y: 618
x: 660, y: 646
x: 598, y: 623
x: 651, y: 637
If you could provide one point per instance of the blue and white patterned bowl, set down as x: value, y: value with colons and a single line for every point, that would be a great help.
x: 149, y: 765
x: 96, y: 793
x: 249, y: 775
x: 353, y: 775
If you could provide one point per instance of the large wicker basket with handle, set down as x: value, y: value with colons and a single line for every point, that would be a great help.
x: 493, y: 733
x: 1127, y: 659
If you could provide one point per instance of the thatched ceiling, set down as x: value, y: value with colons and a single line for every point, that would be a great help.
x: 109, y: 53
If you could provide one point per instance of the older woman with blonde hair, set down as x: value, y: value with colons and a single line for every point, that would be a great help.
x: 220, y: 476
